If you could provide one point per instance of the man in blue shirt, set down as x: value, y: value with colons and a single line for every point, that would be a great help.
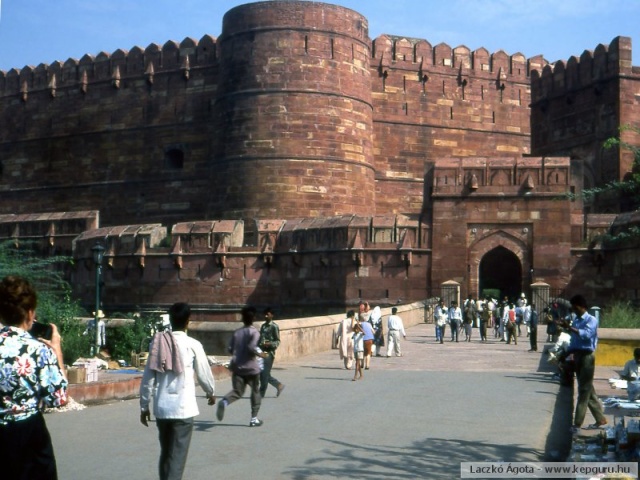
x: 584, y: 340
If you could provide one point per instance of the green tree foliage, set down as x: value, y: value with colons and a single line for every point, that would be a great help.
x: 55, y: 304
x: 131, y: 337
x: 620, y: 315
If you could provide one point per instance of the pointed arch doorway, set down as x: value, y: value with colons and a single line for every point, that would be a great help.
x: 500, y: 269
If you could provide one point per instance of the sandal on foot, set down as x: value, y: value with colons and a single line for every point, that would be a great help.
x: 595, y: 426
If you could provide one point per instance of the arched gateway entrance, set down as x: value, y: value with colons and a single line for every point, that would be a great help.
x: 500, y: 259
x: 500, y: 269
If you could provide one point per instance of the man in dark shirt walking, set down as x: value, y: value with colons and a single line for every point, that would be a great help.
x: 269, y: 342
x: 246, y: 370
x: 533, y: 326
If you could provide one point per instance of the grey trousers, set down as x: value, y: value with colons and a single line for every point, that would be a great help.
x: 239, y: 384
x: 265, y: 376
x: 585, y: 369
x: 394, y: 343
x: 175, y: 438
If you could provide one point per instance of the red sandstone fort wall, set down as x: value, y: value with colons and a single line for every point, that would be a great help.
x: 274, y: 118
x: 294, y: 110
x: 480, y: 204
x: 433, y: 102
x: 580, y: 103
x: 126, y: 134
x: 295, y: 114
x: 299, y: 265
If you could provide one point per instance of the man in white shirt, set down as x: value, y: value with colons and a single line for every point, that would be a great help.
x: 441, y: 318
x: 455, y: 320
x: 631, y: 371
x: 395, y: 329
x: 169, y: 375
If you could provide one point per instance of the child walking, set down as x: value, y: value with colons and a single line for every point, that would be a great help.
x: 358, y: 350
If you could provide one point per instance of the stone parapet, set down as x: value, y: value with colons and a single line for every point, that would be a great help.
x: 616, y: 345
x: 298, y: 336
x: 299, y: 267
x: 113, y: 386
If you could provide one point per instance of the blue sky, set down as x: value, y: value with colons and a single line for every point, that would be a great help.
x: 43, y: 31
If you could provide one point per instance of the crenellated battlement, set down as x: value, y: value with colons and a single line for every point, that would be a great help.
x: 415, y: 54
x: 172, y: 57
x: 591, y: 70
x: 388, y: 51
x: 576, y: 104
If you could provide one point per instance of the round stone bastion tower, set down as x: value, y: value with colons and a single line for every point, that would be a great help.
x: 293, y: 114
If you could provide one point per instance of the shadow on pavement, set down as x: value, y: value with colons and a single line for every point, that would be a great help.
x: 558, y: 442
x: 203, y: 425
x: 534, y: 377
x: 322, y: 368
x: 432, y: 458
x: 329, y: 378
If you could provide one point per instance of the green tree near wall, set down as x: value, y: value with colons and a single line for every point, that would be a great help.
x: 55, y: 303
x: 130, y: 338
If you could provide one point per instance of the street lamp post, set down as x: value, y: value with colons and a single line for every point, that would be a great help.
x: 98, y: 255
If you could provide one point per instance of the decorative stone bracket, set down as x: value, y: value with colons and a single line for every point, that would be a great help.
x: 84, y: 82
x: 406, y: 249
x: 176, y: 253
x: 149, y: 73
x: 267, y: 258
x: 141, y: 253
x: 473, y: 183
x: 115, y: 78
x: 52, y: 86
x: 221, y: 256
x: 51, y: 235
x: 186, y: 68
x: 109, y: 255
x: 357, y: 249
x: 24, y: 91
x: 267, y: 251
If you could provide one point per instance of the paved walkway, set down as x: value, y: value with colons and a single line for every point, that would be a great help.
x: 415, y: 416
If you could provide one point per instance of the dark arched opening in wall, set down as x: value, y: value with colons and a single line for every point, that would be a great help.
x: 500, y: 270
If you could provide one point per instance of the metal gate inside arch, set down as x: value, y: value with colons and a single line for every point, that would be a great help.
x: 500, y: 271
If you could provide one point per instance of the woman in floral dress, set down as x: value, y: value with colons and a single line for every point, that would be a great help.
x: 31, y: 373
